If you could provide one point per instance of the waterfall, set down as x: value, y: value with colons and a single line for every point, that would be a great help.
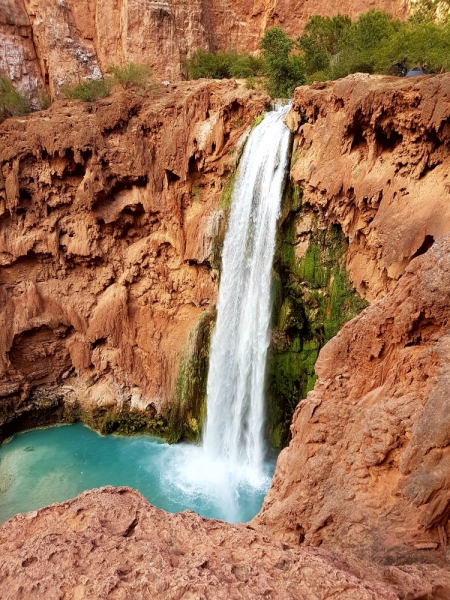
x: 235, y: 390
x: 229, y: 474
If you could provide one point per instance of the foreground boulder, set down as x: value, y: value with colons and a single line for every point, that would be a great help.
x: 110, y: 543
x: 368, y: 468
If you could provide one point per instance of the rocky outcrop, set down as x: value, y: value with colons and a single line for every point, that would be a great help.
x: 109, y: 216
x: 371, y: 154
x: 18, y: 59
x: 110, y: 543
x: 367, y: 471
x: 57, y: 42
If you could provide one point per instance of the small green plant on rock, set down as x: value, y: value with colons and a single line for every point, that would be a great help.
x: 45, y: 100
x: 89, y: 91
x: 12, y: 102
x: 196, y: 193
x: 132, y: 75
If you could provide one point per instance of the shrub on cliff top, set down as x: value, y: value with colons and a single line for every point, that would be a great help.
x: 89, y: 91
x: 12, y: 102
x: 132, y: 75
x: 416, y: 43
x: 129, y: 76
x: 222, y: 65
x: 377, y: 43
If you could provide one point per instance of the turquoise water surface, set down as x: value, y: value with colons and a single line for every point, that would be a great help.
x: 44, y: 466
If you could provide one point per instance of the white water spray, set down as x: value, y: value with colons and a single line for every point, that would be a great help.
x: 232, y: 458
x: 235, y: 406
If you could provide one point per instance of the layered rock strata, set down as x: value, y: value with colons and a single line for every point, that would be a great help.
x: 367, y: 471
x: 111, y: 543
x: 109, y: 217
x: 56, y: 42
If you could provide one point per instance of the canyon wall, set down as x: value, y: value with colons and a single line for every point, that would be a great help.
x: 367, y: 471
x: 55, y: 42
x: 109, y: 219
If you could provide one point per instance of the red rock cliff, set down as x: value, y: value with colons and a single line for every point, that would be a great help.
x: 105, y: 241
x: 368, y: 469
x: 55, y: 42
x: 109, y: 214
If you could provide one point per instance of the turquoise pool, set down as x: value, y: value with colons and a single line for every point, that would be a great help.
x: 44, y: 466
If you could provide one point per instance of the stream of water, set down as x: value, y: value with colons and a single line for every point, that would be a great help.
x: 233, y: 457
x: 228, y: 476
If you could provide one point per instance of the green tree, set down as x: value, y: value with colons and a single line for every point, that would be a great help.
x: 284, y: 69
x: 222, y: 65
x: 359, y: 44
x: 423, y: 43
x: 321, y: 41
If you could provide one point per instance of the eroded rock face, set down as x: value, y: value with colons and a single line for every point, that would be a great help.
x: 64, y: 41
x: 109, y: 215
x: 367, y: 471
x: 372, y: 154
x: 368, y: 467
x: 110, y: 543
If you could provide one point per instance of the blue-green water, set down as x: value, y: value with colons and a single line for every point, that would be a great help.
x: 44, y: 466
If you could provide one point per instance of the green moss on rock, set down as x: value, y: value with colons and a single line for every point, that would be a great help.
x: 313, y: 299
x: 189, y: 405
x: 133, y: 423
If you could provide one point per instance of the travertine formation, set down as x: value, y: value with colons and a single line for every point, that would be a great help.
x: 110, y: 543
x: 109, y: 214
x: 55, y: 42
x: 372, y: 154
x: 368, y: 470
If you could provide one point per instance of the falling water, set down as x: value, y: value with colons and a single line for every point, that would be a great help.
x: 229, y: 472
x: 235, y: 406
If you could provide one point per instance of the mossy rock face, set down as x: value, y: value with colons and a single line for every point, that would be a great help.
x: 133, y: 423
x: 188, y: 410
x: 312, y: 299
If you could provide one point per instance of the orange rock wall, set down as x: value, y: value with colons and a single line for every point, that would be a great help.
x: 372, y: 154
x: 54, y: 42
x: 108, y: 219
x: 367, y: 472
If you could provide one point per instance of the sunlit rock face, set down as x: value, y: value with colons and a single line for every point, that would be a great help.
x: 57, y: 42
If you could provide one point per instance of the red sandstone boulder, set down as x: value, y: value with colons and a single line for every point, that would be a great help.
x: 368, y: 469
